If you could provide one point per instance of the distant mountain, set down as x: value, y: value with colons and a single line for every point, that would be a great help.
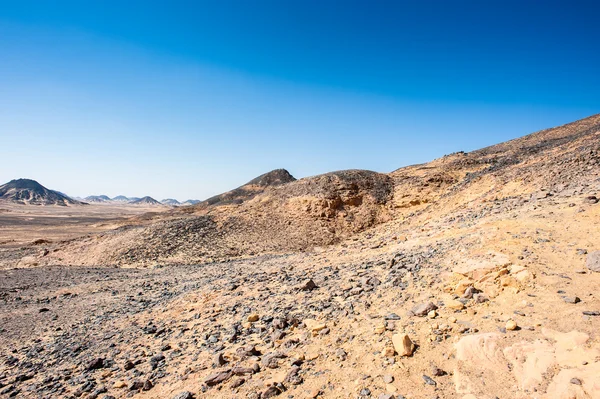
x: 121, y: 198
x: 145, y: 201
x: 170, y: 201
x: 191, y: 202
x: 97, y: 198
x: 133, y: 199
x: 26, y: 191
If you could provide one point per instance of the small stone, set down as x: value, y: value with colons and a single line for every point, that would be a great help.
x: 480, y: 298
x: 95, y: 364
x: 392, y: 316
x: 388, y: 379
x: 271, y: 392
x: 217, y: 378
x: 314, y: 325
x: 422, y: 309
x: 253, y: 318
x: 120, y: 384
x: 454, y: 305
x: 511, y: 325
x: 403, y: 344
x: 385, y: 396
x: 571, y: 299
x: 575, y: 381
x: 148, y: 385
x: 128, y: 365
x: 184, y: 395
x: 429, y: 381
x: 432, y: 314
x: 593, y: 261
x: 309, y: 285
x: 220, y: 360
x: 365, y: 392
x: 436, y: 371
x: 238, y: 382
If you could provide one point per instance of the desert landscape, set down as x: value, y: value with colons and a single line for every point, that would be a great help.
x: 473, y: 276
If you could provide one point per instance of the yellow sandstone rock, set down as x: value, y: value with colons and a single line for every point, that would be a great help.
x: 403, y: 345
x: 453, y: 304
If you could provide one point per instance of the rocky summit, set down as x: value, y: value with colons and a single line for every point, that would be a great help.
x: 472, y: 276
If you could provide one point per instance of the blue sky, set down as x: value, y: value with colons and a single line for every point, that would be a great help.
x: 187, y: 99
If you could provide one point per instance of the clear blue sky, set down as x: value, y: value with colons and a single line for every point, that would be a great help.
x: 186, y: 99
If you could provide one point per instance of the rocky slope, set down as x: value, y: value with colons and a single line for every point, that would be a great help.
x: 30, y: 192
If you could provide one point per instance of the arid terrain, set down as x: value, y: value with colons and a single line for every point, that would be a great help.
x: 473, y: 276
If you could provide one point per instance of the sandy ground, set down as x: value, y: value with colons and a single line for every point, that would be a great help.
x: 22, y: 224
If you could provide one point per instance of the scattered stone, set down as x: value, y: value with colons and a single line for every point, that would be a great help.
x: 238, y: 382
x: 271, y: 392
x: 314, y: 325
x: 95, y: 364
x: 422, y: 309
x: 128, y: 365
x: 403, y: 344
x: 253, y: 318
x: 454, y: 305
x: 392, y: 316
x: 429, y: 381
x: 309, y: 285
x: 217, y: 378
x: 593, y: 261
x: 511, y: 325
x: 571, y: 299
x: 220, y: 360
x: 184, y: 395
x: 591, y: 312
x: 388, y: 379
x: 148, y: 385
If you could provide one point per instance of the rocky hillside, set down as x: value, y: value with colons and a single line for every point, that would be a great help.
x: 254, y: 187
x: 297, y: 215
x: 276, y: 213
x: 30, y: 192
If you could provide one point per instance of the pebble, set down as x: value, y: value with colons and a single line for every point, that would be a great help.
x: 429, y: 381
x: 511, y: 325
